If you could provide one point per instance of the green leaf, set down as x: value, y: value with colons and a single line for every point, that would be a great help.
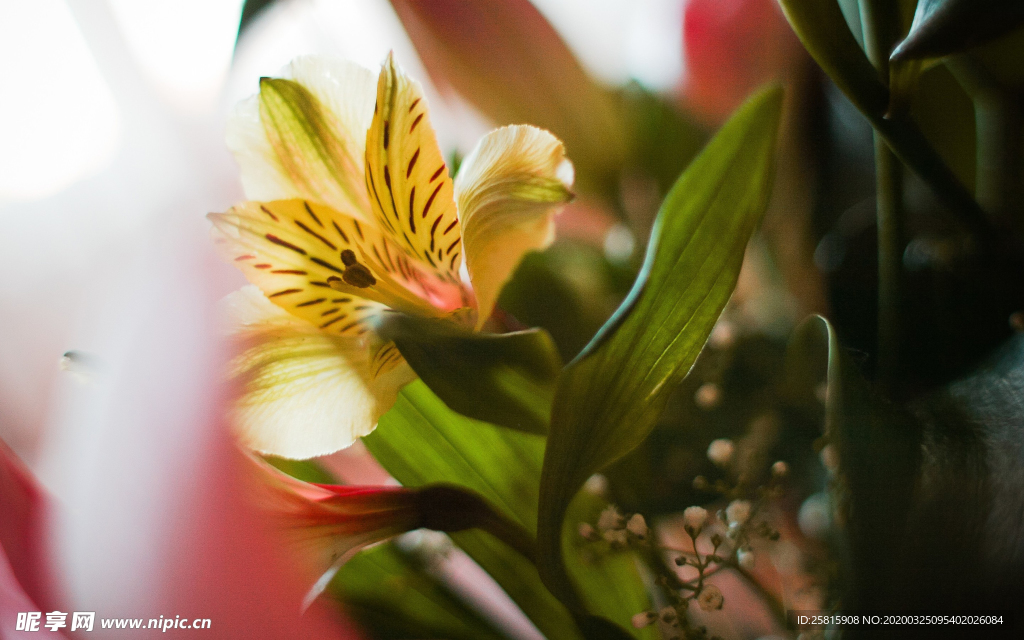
x: 392, y: 596
x: 305, y: 470
x: 608, y: 399
x: 506, y: 379
x: 543, y: 293
x: 421, y: 441
x: 945, y: 27
x: 879, y: 450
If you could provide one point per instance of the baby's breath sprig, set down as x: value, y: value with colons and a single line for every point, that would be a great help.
x: 731, y: 533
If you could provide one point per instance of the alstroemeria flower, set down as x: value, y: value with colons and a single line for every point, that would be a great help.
x: 354, y: 214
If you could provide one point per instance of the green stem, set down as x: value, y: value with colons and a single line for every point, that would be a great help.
x: 889, y: 218
x: 881, y: 23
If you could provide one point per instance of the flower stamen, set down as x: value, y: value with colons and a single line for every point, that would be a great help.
x: 355, y: 273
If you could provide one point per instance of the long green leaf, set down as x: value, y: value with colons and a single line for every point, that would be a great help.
x: 421, y: 441
x: 392, y: 596
x: 609, y: 398
x: 507, y: 379
x: 879, y: 450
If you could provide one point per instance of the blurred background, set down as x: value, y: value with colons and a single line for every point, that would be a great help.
x: 112, y: 118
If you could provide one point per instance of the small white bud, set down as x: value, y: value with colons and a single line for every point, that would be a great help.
x: 738, y: 511
x: 780, y: 469
x: 745, y: 558
x: 694, y: 519
x: 610, y: 518
x: 710, y: 598
x: 733, y: 531
x: 644, y: 619
x: 668, y: 615
x: 587, y: 532
x: 708, y: 395
x: 596, y: 485
x: 720, y: 451
x: 637, y: 526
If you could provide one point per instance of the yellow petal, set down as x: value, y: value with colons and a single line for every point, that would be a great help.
x: 304, y: 392
x: 509, y: 189
x: 406, y: 177
x: 309, y: 259
x: 303, y: 135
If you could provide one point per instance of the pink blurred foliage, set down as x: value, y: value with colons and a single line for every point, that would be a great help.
x: 731, y: 47
x: 229, y: 563
x: 25, y: 574
x: 210, y: 552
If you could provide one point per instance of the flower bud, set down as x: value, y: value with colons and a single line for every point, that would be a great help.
x: 637, y: 526
x: 587, y: 532
x: 644, y: 619
x: 780, y: 469
x: 668, y: 615
x: 738, y: 511
x: 610, y: 519
x: 745, y: 558
x: 694, y: 519
x: 596, y: 485
x: 720, y: 451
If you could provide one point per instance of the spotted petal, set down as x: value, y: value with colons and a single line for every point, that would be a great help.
x: 407, y: 179
x: 509, y: 189
x: 303, y: 136
x: 305, y: 392
x: 309, y: 259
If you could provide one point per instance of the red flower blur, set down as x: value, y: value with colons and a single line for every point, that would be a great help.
x: 732, y: 47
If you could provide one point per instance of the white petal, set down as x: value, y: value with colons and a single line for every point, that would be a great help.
x: 305, y: 393
x: 508, y: 190
x: 344, y: 94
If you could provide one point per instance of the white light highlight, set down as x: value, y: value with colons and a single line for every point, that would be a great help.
x: 184, y: 47
x: 58, y: 119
